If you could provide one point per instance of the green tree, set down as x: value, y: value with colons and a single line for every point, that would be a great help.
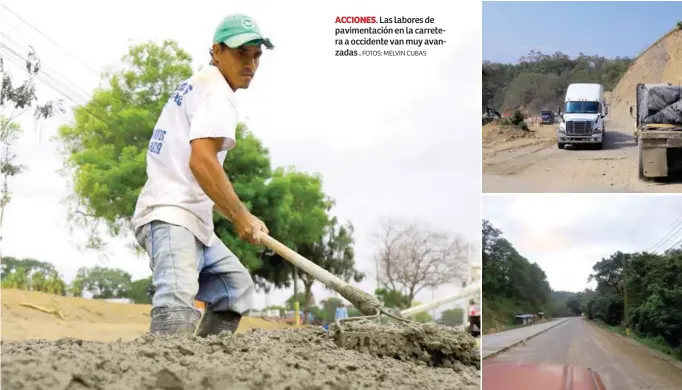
x: 641, y: 291
x: 11, y: 264
x: 102, y: 282
x: 105, y: 145
x: 31, y: 274
x: 512, y: 284
x: 453, y: 317
x: 15, y: 100
x: 422, y: 317
x: 139, y: 291
x: 392, y: 298
x: 17, y: 279
x: 573, y: 306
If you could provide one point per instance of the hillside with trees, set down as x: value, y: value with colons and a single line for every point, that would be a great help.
x: 512, y: 284
x: 639, y: 291
x: 539, y: 81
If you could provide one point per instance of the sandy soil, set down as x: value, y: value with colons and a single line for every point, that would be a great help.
x: 67, y: 357
x: 86, y: 319
x: 622, y: 363
x: 497, y: 139
x: 512, y: 165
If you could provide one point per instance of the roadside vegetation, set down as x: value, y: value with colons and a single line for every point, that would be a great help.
x: 512, y: 284
x: 539, y: 81
x: 640, y: 291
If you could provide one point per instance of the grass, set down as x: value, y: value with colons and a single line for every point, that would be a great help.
x: 655, y: 343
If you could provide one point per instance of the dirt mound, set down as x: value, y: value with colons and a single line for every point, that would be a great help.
x: 494, y: 133
x: 290, y: 359
x: 660, y: 63
x: 88, y: 319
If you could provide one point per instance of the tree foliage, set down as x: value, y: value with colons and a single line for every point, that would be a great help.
x: 138, y: 291
x: 392, y: 299
x: 642, y: 291
x: 105, y: 146
x: 539, y: 81
x: 509, y: 275
x: 453, y: 317
x: 33, y: 275
x: 102, y: 282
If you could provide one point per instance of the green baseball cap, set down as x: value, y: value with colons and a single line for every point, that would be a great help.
x: 236, y: 30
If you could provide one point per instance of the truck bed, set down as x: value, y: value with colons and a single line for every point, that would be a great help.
x: 659, y: 104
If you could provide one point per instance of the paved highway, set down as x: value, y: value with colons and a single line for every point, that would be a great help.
x: 622, y: 363
x: 494, y: 343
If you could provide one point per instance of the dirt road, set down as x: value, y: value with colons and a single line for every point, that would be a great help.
x: 542, y: 167
x: 622, y: 363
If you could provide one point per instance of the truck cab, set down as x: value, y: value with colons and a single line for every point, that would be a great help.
x: 583, y: 117
x: 546, y: 117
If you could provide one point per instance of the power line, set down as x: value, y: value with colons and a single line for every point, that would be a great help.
x: 673, y: 246
x: 41, y: 76
x: 73, y: 56
x: 659, y: 244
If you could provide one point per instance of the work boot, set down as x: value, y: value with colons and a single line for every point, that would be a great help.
x: 215, y: 322
x: 174, y: 320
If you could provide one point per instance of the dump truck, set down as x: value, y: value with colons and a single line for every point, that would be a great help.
x: 658, y: 129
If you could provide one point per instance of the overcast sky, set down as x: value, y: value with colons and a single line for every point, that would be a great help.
x: 392, y: 137
x: 566, y: 234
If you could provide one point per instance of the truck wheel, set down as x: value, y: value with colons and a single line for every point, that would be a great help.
x: 600, y: 145
x: 561, y: 145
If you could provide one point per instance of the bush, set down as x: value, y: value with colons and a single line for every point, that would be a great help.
x: 679, y: 25
x: 517, y: 118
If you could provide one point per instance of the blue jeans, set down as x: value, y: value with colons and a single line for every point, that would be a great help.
x: 185, y: 270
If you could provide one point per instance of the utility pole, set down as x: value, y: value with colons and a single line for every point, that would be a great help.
x: 625, y: 300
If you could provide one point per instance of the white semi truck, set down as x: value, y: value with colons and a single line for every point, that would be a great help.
x: 582, y: 119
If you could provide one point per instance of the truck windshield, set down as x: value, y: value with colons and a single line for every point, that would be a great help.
x: 582, y: 107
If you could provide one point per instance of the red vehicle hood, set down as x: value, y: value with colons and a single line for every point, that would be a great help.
x: 538, y: 376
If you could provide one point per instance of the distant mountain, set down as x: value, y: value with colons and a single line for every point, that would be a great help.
x: 562, y: 295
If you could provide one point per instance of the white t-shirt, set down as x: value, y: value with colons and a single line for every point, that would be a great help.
x: 204, y: 106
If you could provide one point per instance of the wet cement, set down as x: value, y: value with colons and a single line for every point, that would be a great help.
x: 430, y: 344
x: 291, y: 359
x: 367, y: 304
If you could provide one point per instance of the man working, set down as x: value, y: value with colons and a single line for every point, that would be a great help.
x: 173, y: 218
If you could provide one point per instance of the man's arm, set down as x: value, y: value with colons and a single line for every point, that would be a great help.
x: 212, y: 178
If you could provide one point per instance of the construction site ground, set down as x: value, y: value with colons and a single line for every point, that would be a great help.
x: 533, y: 163
x: 56, y: 342
x: 519, y: 161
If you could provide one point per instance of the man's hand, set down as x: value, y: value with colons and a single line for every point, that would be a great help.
x: 249, y: 228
